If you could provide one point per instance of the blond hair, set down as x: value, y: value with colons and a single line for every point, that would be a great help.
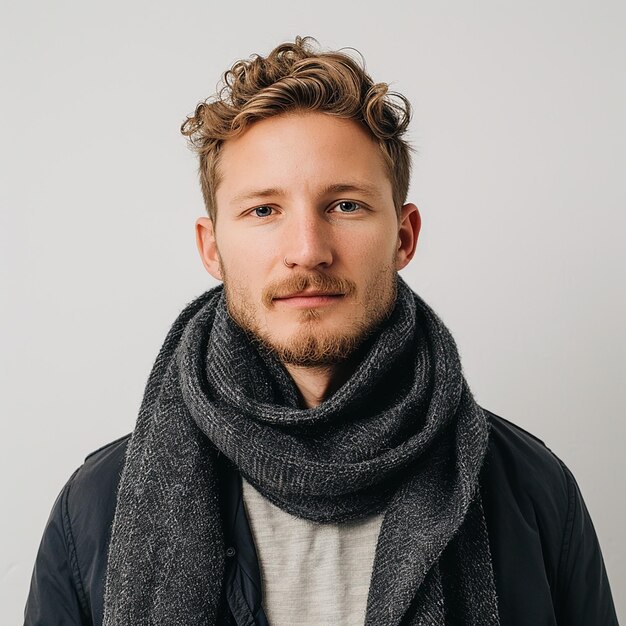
x: 295, y: 76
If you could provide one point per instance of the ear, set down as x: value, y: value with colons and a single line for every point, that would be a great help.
x: 207, y: 246
x: 409, y: 226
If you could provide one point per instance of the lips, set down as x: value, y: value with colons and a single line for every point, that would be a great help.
x: 309, y: 294
x: 309, y: 299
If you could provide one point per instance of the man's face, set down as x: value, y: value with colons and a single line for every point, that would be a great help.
x: 311, y: 189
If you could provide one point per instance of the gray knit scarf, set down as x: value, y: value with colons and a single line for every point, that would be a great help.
x: 404, y: 435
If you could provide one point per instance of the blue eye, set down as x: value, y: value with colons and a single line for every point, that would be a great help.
x: 263, y: 211
x: 347, y: 206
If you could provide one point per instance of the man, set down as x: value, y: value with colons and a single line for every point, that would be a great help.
x: 307, y: 450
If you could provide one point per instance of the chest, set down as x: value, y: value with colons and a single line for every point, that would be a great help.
x: 311, y: 573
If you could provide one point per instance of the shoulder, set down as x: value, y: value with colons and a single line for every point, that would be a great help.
x: 522, y: 476
x: 91, y: 493
x: 528, y: 496
x: 542, y: 538
x: 525, y: 462
x: 95, y: 482
x: 70, y: 567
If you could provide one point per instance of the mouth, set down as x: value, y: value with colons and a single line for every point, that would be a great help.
x: 308, y: 299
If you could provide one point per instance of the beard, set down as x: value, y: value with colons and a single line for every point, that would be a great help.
x: 313, y: 345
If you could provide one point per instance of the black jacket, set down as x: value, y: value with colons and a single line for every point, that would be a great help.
x: 547, y: 562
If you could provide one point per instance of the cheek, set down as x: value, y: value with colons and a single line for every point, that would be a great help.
x: 245, y: 275
x: 377, y: 248
x: 247, y: 250
x: 237, y: 259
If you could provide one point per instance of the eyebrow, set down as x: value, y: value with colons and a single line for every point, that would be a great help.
x: 358, y: 187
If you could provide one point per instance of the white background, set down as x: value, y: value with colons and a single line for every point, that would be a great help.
x: 519, y: 125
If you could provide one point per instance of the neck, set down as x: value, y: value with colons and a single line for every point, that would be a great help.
x: 315, y: 384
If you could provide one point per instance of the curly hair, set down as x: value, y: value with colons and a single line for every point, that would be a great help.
x: 295, y: 76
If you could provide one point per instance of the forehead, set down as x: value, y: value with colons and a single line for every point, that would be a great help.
x: 300, y: 152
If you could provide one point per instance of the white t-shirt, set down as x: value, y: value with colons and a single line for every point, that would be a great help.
x: 312, y: 574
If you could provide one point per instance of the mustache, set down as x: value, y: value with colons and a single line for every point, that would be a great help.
x: 300, y: 282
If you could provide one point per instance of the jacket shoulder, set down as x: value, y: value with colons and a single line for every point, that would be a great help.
x: 526, y: 461
x: 67, y: 584
x: 95, y: 482
x: 540, y: 532
x: 527, y: 501
x: 91, y: 502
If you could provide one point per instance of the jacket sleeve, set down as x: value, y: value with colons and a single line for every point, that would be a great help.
x: 584, y: 594
x: 56, y: 596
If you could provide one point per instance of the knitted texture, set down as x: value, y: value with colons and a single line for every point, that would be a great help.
x: 403, y: 435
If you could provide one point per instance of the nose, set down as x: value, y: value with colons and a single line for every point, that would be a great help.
x: 307, y: 242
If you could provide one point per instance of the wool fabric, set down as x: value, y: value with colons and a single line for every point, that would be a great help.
x: 403, y: 436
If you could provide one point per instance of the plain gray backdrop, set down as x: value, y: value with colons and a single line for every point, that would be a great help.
x: 519, y: 127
